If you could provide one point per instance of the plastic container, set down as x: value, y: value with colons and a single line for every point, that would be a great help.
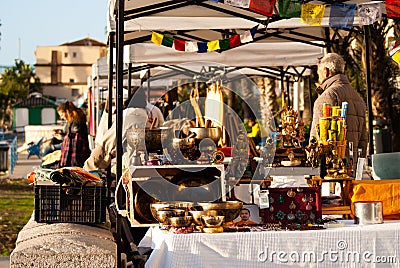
x: 55, y: 204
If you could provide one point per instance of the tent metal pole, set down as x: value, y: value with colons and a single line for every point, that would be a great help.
x: 368, y: 82
x: 120, y: 80
x: 111, y: 39
x: 129, y: 80
x: 110, y: 76
x: 310, y: 97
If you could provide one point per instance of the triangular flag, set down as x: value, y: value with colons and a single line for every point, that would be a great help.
x: 156, y: 38
x: 191, y: 46
x: 396, y: 57
x: 369, y: 13
x: 213, y: 45
x: 253, y: 30
x: 224, y: 44
x: 238, y: 3
x: 394, y: 53
x: 312, y: 14
x: 167, y: 41
x: 265, y: 7
x: 246, y: 37
x: 202, y: 47
x: 234, y: 41
x: 342, y: 16
x: 290, y: 8
x: 179, y: 45
x: 392, y: 8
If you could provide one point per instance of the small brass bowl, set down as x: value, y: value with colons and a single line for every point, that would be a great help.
x: 154, y: 207
x: 198, y: 214
x: 184, y: 221
x: 212, y: 221
x: 164, y: 215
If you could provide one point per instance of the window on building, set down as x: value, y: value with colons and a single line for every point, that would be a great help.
x: 75, y: 92
x: 65, y: 54
x: 71, y: 80
x: 74, y: 54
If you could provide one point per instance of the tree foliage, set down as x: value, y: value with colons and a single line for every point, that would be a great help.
x: 16, y: 84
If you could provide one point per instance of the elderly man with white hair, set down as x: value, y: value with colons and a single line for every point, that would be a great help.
x: 334, y: 88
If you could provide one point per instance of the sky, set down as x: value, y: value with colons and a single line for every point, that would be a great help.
x: 26, y: 24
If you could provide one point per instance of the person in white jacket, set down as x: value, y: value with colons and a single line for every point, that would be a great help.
x: 138, y: 114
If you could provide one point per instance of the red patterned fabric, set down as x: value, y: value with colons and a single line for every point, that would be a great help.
x: 265, y: 7
x: 392, y: 8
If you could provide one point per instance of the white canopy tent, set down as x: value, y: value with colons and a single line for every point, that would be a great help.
x: 278, y: 42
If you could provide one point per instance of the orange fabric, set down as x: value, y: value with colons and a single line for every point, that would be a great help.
x: 387, y: 191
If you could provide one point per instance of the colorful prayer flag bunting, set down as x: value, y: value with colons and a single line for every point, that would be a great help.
x: 342, y: 16
x: 201, y: 47
x: 369, y: 13
x: 312, y: 14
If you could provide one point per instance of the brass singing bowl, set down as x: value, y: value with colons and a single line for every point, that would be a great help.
x: 229, y: 209
x: 199, y: 213
x: 164, y: 215
x: 213, y: 133
x: 184, y: 221
x: 154, y: 207
x: 212, y: 221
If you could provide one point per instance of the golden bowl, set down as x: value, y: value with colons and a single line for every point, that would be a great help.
x: 164, y: 215
x: 198, y: 214
x: 212, y: 221
x: 154, y: 207
x: 213, y: 133
x: 184, y: 221
x: 229, y: 209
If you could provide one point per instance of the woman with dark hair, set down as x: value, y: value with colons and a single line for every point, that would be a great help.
x: 75, y: 146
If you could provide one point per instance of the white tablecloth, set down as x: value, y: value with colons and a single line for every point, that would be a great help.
x: 350, y: 246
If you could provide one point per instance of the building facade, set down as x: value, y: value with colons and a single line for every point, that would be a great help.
x: 64, y: 70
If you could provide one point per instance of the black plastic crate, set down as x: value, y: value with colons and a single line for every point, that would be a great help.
x: 55, y: 203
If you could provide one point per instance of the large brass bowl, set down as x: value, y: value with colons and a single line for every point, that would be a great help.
x: 199, y: 213
x: 213, y: 133
x: 184, y: 221
x: 229, y: 209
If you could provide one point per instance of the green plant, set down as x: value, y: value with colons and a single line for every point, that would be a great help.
x: 16, y: 207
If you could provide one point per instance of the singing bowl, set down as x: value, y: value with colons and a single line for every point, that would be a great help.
x: 212, y: 221
x: 152, y: 138
x: 164, y: 215
x: 154, y: 207
x: 213, y: 133
x: 184, y: 221
x: 197, y: 214
x: 229, y: 209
